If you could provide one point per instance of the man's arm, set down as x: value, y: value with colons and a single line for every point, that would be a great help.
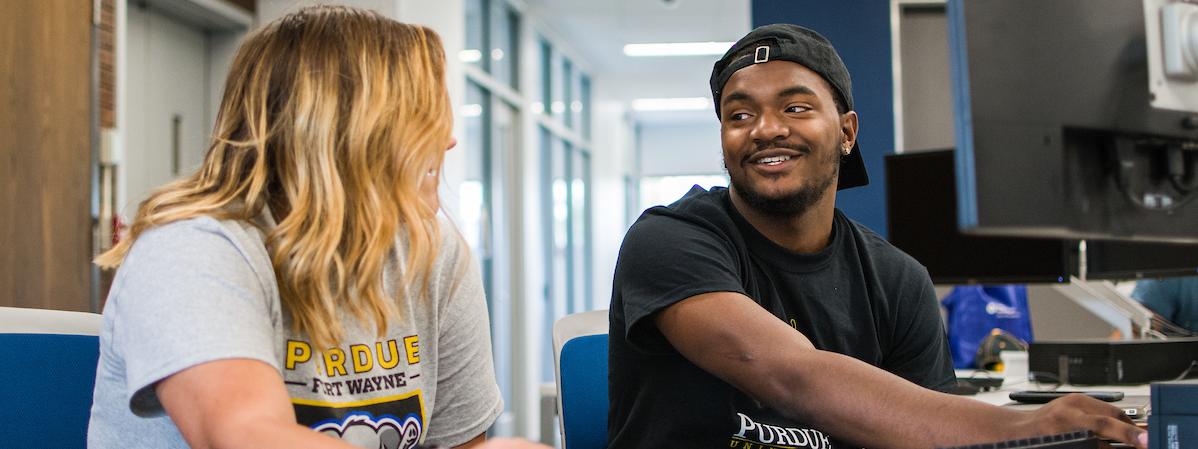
x: 732, y: 337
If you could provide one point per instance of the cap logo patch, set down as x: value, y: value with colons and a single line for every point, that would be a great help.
x: 761, y: 54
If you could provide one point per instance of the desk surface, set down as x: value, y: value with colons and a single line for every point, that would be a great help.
x: 1000, y: 396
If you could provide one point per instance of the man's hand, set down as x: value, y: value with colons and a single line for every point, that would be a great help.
x: 1077, y: 412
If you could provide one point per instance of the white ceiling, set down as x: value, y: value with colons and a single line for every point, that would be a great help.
x: 598, y: 30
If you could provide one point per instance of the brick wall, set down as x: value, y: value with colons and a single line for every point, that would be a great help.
x: 107, y: 40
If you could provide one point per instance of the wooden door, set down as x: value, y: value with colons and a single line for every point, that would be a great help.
x: 46, y: 98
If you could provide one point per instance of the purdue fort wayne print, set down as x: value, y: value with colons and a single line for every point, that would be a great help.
x: 368, y: 394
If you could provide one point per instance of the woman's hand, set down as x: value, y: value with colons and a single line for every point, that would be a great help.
x: 511, y: 443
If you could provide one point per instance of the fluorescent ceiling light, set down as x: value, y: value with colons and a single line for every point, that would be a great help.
x: 678, y: 49
x: 671, y: 104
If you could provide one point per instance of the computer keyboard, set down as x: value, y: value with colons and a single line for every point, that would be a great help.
x: 1072, y: 440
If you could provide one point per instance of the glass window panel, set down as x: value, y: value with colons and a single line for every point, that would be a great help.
x: 555, y: 210
x: 474, y: 205
x: 568, y: 80
x: 584, y: 99
x: 632, y: 200
x: 560, y: 206
x: 505, y: 44
x: 567, y: 227
x: 663, y: 190
x: 473, y: 193
x: 477, y: 15
x: 580, y: 224
x: 503, y: 140
x: 556, y: 107
x: 546, y: 93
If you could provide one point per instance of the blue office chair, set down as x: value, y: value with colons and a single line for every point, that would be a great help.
x: 49, y: 361
x: 580, y: 352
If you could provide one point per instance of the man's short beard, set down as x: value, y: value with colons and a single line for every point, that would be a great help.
x: 790, y: 205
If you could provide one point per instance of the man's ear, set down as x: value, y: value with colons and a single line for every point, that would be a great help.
x: 848, y: 129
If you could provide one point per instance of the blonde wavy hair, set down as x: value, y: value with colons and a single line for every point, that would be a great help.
x: 334, y: 117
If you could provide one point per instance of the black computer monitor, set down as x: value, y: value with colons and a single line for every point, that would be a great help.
x: 921, y: 207
x: 1124, y: 260
x: 1058, y: 131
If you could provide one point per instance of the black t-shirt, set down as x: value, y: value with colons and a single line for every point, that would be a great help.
x: 860, y: 296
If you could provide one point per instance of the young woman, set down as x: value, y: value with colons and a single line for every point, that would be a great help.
x: 298, y: 290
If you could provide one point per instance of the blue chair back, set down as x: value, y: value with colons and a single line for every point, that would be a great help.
x: 50, y: 362
x: 580, y: 343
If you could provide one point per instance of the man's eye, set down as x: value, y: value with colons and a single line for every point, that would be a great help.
x: 739, y: 116
x: 797, y: 109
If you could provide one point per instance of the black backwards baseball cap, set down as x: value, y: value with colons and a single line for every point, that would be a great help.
x: 788, y: 42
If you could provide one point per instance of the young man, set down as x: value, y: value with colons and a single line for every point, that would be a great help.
x: 760, y: 316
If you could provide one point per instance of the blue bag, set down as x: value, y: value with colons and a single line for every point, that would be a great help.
x: 974, y: 311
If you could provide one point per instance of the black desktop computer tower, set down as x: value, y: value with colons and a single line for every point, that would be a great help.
x: 1105, y: 362
x: 1173, y: 423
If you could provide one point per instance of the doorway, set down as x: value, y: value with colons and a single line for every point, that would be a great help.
x: 177, y: 53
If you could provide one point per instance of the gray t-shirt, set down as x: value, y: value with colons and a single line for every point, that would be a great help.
x: 200, y: 290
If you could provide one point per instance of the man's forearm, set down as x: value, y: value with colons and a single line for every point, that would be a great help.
x: 850, y: 399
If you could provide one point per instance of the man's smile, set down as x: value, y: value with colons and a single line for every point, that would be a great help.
x: 774, y: 160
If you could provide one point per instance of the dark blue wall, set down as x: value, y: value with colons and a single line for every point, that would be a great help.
x: 860, y: 31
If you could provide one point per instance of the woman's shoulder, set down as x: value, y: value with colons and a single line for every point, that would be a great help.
x: 451, y: 236
x: 202, y: 231
x: 452, y: 250
x: 454, y: 257
x: 203, y: 240
x: 189, y: 254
